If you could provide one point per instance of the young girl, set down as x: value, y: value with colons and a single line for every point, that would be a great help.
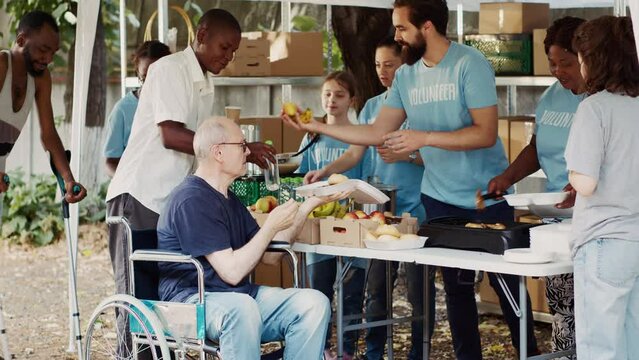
x: 403, y: 171
x: 338, y: 93
x: 601, y: 157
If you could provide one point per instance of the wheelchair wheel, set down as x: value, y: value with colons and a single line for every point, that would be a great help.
x: 105, y: 341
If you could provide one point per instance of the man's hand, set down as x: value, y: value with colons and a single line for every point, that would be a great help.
x: 313, y: 176
x: 389, y: 156
x: 570, y: 200
x: 499, y: 184
x: 292, y: 122
x: 260, y: 152
x: 282, y: 216
x: 4, y: 182
x: 404, y: 141
x: 74, y: 192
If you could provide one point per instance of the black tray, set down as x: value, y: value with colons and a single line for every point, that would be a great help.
x: 451, y: 232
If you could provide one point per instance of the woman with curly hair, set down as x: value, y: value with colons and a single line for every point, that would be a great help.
x: 601, y: 157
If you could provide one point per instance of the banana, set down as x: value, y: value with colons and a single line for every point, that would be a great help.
x: 324, y: 210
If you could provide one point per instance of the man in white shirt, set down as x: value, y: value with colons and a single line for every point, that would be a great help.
x: 177, y: 96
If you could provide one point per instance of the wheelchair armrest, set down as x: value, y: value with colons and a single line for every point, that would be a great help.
x: 278, y: 246
x: 161, y: 255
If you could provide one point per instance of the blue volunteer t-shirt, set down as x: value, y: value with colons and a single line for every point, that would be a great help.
x: 120, y: 122
x: 406, y: 176
x: 323, y: 152
x: 438, y: 99
x: 554, y: 115
x: 198, y: 221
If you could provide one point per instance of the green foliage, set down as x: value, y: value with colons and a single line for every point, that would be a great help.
x: 64, y: 12
x: 32, y: 213
x: 305, y: 23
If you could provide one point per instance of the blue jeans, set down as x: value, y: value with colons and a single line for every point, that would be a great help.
x: 322, y: 277
x: 460, y: 288
x: 607, y: 300
x: 376, y: 304
x: 241, y: 323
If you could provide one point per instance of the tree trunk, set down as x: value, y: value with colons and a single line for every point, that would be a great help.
x: 96, y: 108
x: 358, y: 30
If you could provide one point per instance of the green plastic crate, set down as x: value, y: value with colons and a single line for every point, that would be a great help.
x: 249, y: 189
x: 509, y: 54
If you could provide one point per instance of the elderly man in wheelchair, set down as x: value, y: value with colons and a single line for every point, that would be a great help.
x: 209, y: 244
x: 204, y: 219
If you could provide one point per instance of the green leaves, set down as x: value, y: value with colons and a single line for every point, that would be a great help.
x: 32, y: 212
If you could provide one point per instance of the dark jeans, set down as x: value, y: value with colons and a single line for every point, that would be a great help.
x: 460, y: 290
x: 376, y: 305
x: 322, y: 276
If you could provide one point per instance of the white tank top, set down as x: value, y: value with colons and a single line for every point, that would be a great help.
x: 11, y: 122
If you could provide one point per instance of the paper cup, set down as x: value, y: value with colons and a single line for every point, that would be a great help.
x: 233, y: 113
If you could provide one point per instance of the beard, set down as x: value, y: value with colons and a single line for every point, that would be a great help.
x: 412, y: 53
x: 28, y: 60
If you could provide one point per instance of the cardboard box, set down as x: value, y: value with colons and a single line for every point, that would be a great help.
x: 248, y: 66
x: 296, y: 53
x: 536, y: 290
x: 270, y: 129
x: 310, y: 233
x: 512, y: 18
x: 345, y: 232
x: 291, y: 139
x: 407, y: 225
x: 515, y: 133
x: 540, y: 59
x: 253, y: 44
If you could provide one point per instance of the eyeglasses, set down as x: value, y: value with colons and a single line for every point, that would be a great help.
x: 244, y: 144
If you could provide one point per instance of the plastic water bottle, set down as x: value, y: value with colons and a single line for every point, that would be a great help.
x: 271, y: 173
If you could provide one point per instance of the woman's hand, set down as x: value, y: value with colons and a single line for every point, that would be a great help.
x: 570, y: 200
x: 294, y: 122
x: 404, y: 141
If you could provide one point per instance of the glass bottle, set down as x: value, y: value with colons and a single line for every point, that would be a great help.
x: 271, y: 173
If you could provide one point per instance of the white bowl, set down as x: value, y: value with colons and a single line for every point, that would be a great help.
x: 396, y: 244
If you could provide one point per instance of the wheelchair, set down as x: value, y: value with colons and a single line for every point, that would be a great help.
x: 159, y: 329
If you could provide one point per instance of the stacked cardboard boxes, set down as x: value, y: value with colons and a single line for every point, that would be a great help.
x: 278, y: 54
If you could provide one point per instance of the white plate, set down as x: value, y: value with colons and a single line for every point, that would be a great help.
x: 396, y: 244
x: 527, y: 256
x: 550, y: 211
x: 535, y: 198
x: 363, y: 192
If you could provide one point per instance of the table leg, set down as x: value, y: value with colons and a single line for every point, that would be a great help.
x: 389, y: 310
x: 340, y: 309
x: 426, y: 313
x: 523, y: 328
x: 303, y: 270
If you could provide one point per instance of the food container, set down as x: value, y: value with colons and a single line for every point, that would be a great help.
x: 550, y: 198
x: 451, y: 232
x: 389, y: 206
x: 288, y: 163
x: 396, y: 244
x: 362, y: 192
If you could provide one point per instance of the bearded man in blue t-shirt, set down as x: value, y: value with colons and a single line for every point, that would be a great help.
x: 207, y: 221
x: 446, y: 92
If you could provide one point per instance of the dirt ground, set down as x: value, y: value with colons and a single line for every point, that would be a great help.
x: 33, y: 286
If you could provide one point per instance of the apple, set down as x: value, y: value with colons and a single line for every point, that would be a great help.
x: 290, y: 109
x: 350, y: 215
x: 335, y: 179
x: 361, y: 215
x: 388, y: 230
x: 265, y: 204
x: 378, y: 217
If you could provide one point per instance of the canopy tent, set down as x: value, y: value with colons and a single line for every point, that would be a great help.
x: 85, y: 37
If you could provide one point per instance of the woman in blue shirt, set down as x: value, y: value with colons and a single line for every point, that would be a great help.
x: 554, y: 115
x: 403, y: 171
x: 338, y: 93
x: 121, y: 117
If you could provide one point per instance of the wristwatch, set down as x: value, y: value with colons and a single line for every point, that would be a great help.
x: 412, y: 157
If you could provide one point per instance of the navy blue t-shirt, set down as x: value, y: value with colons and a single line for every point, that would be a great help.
x: 197, y: 221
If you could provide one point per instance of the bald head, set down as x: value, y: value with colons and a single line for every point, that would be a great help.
x: 212, y: 131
